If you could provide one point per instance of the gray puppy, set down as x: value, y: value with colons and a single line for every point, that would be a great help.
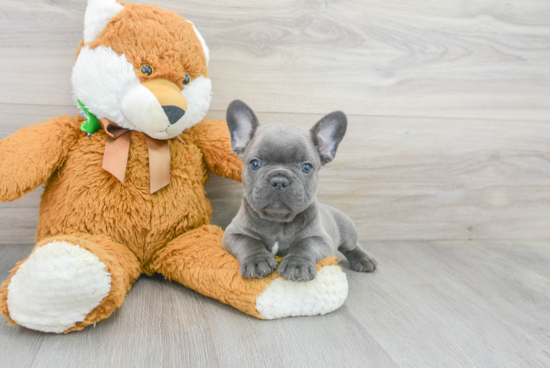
x: 280, y: 214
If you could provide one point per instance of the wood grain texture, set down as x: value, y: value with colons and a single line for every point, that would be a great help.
x: 430, y: 304
x: 478, y: 59
x: 397, y: 178
x: 490, y: 304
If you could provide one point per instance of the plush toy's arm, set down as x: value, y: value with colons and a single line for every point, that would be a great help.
x: 31, y: 155
x: 212, y: 137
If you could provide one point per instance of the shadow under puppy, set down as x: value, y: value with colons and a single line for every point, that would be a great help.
x: 280, y: 214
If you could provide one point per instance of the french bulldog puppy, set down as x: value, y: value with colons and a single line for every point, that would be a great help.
x: 280, y: 214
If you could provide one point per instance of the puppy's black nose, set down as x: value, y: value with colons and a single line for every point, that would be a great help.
x: 279, y: 183
x: 174, y: 113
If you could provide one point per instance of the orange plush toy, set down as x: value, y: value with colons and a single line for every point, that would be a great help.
x: 124, y: 186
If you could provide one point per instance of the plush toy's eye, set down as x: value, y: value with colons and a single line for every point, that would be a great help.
x: 186, y: 79
x: 147, y: 69
x: 255, y: 164
x: 306, y: 168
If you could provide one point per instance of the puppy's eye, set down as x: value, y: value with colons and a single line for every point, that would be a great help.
x: 306, y: 168
x: 147, y: 69
x: 255, y: 164
x: 186, y: 79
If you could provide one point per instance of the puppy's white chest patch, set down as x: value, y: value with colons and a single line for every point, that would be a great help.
x: 275, y: 248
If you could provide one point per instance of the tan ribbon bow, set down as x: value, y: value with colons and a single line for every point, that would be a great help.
x: 117, y: 149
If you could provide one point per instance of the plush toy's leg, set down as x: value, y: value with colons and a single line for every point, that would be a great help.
x: 196, y: 259
x: 68, y: 282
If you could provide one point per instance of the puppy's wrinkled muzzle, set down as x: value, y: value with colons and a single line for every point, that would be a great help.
x: 279, y: 184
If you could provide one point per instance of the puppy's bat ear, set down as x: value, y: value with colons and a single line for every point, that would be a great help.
x: 242, y: 124
x: 328, y: 133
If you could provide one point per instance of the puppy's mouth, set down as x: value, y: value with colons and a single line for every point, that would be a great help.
x: 276, y: 211
x: 277, y: 207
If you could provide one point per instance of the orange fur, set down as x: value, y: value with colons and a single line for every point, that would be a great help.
x: 167, y: 42
x: 81, y: 197
x: 182, y: 260
x: 32, y: 154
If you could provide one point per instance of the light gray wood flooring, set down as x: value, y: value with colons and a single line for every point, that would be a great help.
x: 430, y: 304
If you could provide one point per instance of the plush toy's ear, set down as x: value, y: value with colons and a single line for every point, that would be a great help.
x: 328, y: 133
x: 203, y: 43
x: 98, y: 14
x: 242, y: 124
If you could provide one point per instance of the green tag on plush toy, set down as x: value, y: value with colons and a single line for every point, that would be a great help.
x: 91, y: 125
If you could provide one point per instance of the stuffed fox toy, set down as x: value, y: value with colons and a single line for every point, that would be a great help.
x: 124, y: 184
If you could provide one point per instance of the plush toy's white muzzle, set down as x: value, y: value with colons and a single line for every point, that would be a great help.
x: 139, y: 106
x: 157, y: 108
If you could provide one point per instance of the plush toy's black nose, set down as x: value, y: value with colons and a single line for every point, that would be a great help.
x: 174, y: 113
x: 279, y: 183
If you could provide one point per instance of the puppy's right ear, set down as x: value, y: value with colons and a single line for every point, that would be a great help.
x: 328, y: 133
x: 242, y: 124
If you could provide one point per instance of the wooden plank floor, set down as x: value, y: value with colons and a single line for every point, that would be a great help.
x: 430, y: 304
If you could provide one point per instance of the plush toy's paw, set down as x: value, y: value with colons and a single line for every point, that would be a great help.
x: 57, y: 287
x: 322, y: 295
x: 258, y: 266
x: 360, y: 261
x: 297, y: 268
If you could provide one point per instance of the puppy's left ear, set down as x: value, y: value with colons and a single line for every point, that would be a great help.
x: 242, y: 124
x: 328, y: 133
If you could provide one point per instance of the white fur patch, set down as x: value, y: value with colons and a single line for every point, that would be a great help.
x: 322, y: 295
x: 141, y: 107
x: 275, y: 248
x: 57, y: 287
x: 198, y: 94
x: 203, y: 43
x: 101, y: 78
x: 98, y: 14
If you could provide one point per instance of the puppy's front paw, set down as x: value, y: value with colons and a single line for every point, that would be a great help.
x: 258, y: 266
x: 362, y: 262
x: 297, y: 268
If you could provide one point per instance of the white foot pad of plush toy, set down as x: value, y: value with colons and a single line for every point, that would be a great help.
x: 57, y: 287
x: 322, y: 295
